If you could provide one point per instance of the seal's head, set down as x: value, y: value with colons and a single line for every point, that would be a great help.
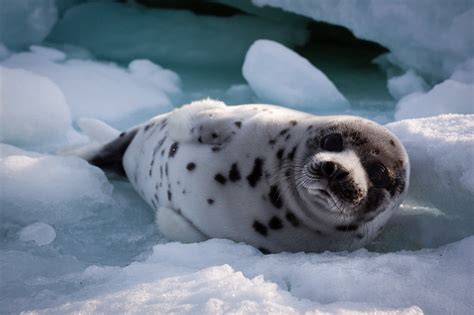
x: 353, y: 172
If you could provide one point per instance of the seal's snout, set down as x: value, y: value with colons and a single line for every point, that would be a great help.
x: 333, y: 171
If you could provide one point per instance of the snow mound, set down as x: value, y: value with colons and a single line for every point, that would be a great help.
x: 41, y: 189
x: 464, y: 72
x: 102, y: 90
x: 432, y: 37
x: 221, y: 276
x: 405, y: 84
x: 33, y: 109
x: 280, y: 76
x: 26, y: 22
x: 441, y: 154
x: 39, y: 232
x: 447, y: 97
x: 124, y: 32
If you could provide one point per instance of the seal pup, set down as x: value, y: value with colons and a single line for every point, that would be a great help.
x: 272, y: 177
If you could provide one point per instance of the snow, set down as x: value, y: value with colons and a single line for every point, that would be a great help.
x: 431, y: 37
x: 102, y: 90
x: 122, y: 32
x: 74, y: 241
x: 26, y: 22
x: 39, y: 232
x: 447, y: 97
x: 221, y: 276
x: 33, y: 109
x: 405, y: 84
x: 279, y: 76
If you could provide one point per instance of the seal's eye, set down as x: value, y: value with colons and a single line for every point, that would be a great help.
x: 378, y: 174
x: 332, y: 142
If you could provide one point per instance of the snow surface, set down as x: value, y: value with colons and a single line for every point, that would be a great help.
x: 280, y: 76
x: 102, y: 90
x: 26, y: 22
x: 32, y: 109
x: 39, y: 232
x: 447, y: 97
x: 405, y: 84
x: 122, y: 32
x: 71, y: 240
x: 431, y: 37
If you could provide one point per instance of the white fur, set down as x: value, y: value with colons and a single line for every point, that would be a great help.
x: 176, y: 228
x: 181, y: 119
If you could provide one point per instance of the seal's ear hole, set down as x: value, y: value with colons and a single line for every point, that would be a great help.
x: 332, y: 142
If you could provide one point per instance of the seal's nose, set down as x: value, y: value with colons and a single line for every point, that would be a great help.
x: 333, y: 171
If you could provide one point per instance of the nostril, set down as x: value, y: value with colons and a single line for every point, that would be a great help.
x: 341, y: 176
x: 328, y: 168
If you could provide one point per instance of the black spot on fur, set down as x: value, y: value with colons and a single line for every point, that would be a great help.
x: 122, y: 134
x: 275, y: 197
x: 359, y: 236
x: 238, y: 124
x: 161, y: 171
x: 215, y: 149
x: 272, y: 141
x: 346, y: 228
x: 310, y: 127
x: 200, y: 140
x: 264, y: 250
x: 292, y: 153
x: 163, y: 152
x: 220, y: 179
x: 279, y: 154
x: 260, y: 228
x: 170, y: 195
x: 173, y: 149
x: 166, y: 169
x: 292, y: 218
x: 392, y: 143
x: 287, y: 137
x: 284, y: 131
x: 275, y: 223
x: 293, y: 123
x: 147, y: 127
x: 210, y: 201
x: 357, y: 139
x: 214, y: 135
x: 254, y: 177
x: 191, y: 166
x: 234, y: 173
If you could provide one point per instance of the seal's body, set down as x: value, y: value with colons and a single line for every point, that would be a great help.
x: 272, y: 177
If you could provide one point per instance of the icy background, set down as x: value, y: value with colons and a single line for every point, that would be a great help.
x: 72, y: 240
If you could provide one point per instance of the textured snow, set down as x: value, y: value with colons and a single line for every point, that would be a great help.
x: 280, y: 76
x: 26, y: 22
x: 447, y: 97
x: 122, y: 32
x: 73, y: 241
x: 33, y: 110
x: 405, y: 84
x: 432, y: 37
x: 39, y: 232
x: 102, y: 90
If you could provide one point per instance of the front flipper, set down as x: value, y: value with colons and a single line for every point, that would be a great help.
x: 175, y: 226
x: 205, y: 122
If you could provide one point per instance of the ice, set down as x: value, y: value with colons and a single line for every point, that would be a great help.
x: 405, y: 84
x: 123, y: 32
x: 103, y: 90
x: 26, y: 22
x: 279, y: 76
x: 441, y: 151
x: 464, y: 72
x: 221, y: 276
x: 431, y: 37
x: 447, y: 97
x: 33, y: 109
x: 39, y: 232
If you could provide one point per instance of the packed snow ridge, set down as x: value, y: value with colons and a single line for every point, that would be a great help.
x: 278, y: 75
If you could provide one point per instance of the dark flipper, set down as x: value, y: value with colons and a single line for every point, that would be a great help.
x: 109, y: 157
